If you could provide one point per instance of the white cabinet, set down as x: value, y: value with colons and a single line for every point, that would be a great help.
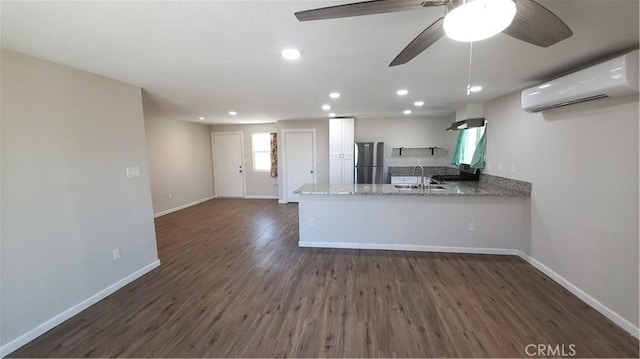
x: 341, y: 148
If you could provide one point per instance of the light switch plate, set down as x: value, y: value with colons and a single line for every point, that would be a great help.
x: 133, y: 172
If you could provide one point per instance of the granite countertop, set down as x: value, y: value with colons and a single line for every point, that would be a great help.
x: 468, y: 189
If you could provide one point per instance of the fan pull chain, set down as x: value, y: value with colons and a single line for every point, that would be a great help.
x: 470, y: 58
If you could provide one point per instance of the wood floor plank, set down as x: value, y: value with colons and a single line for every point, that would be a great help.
x: 233, y: 283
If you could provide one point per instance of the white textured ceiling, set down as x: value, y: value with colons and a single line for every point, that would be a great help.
x: 206, y: 58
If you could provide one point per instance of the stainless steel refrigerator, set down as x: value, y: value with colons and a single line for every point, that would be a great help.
x: 369, y: 162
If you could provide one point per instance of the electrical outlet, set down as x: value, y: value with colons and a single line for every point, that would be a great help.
x: 169, y: 195
x: 488, y: 165
x: 472, y: 226
x: 312, y: 221
x: 499, y: 167
x: 513, y: 169
x: 116, y: 254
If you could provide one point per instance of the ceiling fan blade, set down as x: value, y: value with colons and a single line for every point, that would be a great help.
x: 426, y: 38
x: 537, y: 25
x: 365, y: 8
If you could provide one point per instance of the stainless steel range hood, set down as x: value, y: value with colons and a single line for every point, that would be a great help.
x: 468, y: 123
x: 468, y: 116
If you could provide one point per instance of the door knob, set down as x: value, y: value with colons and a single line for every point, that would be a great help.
x: 240, y: 171
x: 311, y: 171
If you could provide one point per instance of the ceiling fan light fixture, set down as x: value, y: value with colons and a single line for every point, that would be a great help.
x: 476, y: 20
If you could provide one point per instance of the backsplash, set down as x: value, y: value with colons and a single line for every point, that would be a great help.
x: 428, y: 170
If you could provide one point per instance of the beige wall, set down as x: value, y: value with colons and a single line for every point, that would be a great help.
x: 180, y: 165
x: 258, y: 184
x: 67, y: 137
x: 322, y: 146
x: 583, y: 163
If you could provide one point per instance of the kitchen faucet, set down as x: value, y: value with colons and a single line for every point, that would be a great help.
x: 422, y: 175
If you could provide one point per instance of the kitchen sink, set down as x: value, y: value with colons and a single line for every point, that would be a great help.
x: 415, y: 186
x: 406, y: 186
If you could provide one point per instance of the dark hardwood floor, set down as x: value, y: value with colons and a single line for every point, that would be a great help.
x: 233, y: 283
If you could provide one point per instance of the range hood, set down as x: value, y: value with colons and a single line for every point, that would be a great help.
x: 468, y: 116
x: 468, y: 123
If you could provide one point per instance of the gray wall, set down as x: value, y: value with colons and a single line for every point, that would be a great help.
x: 180, y: 165
x: 67, y: 137
x: 409, y: 131
x: 582, y: 161
x: 258, y: 184
x: 322, y: 147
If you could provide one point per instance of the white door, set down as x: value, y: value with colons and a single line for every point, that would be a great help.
x: 299, y: 161
x: 227, y: 159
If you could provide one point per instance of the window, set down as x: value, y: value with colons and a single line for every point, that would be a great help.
x: 470, y: 141
x: 261, y: 148
x: 473, y: 136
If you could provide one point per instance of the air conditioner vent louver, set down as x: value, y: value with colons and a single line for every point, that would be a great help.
x: 562, y: 104
x: 613, y: 78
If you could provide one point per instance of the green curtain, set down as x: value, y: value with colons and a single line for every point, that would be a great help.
x: 477, y: 161
x: 458, y: 155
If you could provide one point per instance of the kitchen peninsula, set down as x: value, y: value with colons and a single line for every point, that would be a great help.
x: 490, y: 216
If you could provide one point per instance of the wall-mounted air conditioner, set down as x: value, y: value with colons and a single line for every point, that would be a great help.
x: 612, y: 78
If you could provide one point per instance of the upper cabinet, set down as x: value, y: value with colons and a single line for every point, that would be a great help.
x: 341, y: 148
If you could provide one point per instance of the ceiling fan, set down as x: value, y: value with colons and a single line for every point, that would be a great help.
x: 465, y: 20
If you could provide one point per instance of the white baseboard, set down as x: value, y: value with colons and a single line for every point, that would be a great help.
x: 261, y: 197
x: 594, y: 303
x: 281, y: 201
x: 56, y: 320
x: 408, y: 247
x: 175, y: 209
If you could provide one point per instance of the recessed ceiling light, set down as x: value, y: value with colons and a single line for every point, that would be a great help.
x: 334, y: 95
x: 475, y: 88
x: 418, y: 103
x: 201, y: 118
x: 291, y: 54
x: 402, y: 92
x: 407, y: 112
x: 332, y: 114
x: 233, y: 113
x: 326, y: 107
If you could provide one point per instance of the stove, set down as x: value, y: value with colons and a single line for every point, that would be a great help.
x: 466, y: 174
